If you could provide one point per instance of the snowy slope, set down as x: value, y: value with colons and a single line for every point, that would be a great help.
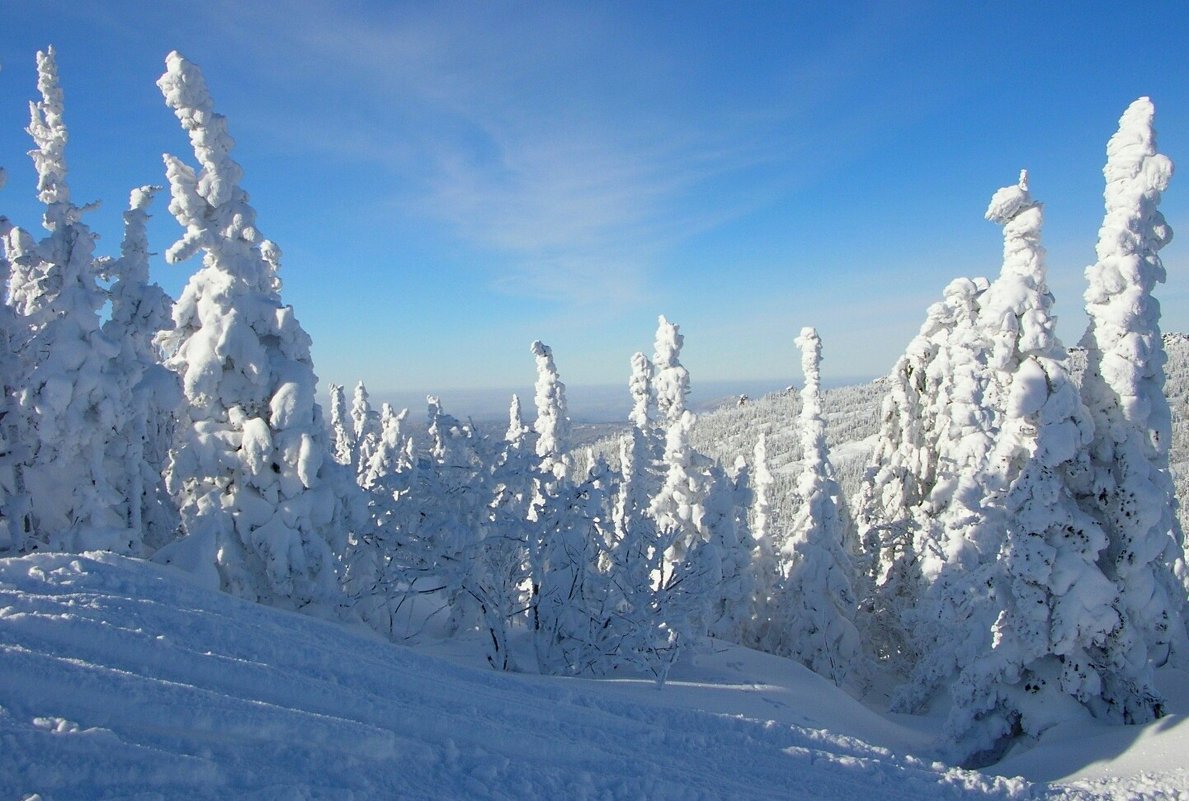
x: 118, y: 679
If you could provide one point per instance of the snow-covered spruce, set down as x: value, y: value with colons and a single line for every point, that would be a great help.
x: 670, y: 380
x: 13, y: 501
x: 259, y: 494
x: 365, y: 430
x: 342, y: 430
x: 1127, y: 486
x: 1034, y: 620
x: 813, y: 618
x: 140, y: 310
x: 70, y: 489
x: 896, y: 503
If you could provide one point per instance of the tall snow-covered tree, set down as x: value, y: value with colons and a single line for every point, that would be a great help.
x: 670, y: 379
x: 816, y: 605
x: 13, y: 503
x: 901, y: 498
x: 549, y: 546
x: 1128, y: 487
x: 251, y: 471
x: 140, y: 310
x: 765, y: 565
x: 342, y: 429
x: 70, y: 395
x: 1028, y: 618
x: 365, y: 429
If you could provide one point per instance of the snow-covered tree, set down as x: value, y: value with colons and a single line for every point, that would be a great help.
x: 933, y: 396
x: 506, y: 538
x: 390, y: 455
x: 670, y: 380
x: 342, y: 429
x: 816, y: 605
x: 251, y: 470
x: 13, y: 502
x: 365, y: 430
x: 1028, y: 617
x: 549, y: 544
x: 765, y: 565
x: 140, y: 310
x: 70, y: 394
x: 1128, y: 487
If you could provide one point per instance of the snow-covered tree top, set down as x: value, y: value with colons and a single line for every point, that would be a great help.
x: 48, y: 130
x: 517, y: 430
x: 813, y: 428
x: 210, y: 203
x: 1009, y: 201
x: 1136, y: 175
x: 640, y: 386
x: 186, y: 93
x: 671, y: 381
x: 1016, y: 309
x: 552, y: 425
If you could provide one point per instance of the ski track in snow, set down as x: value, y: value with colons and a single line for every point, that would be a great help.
x: 118, y: 679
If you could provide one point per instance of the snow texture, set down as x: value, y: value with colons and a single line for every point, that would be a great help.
x: 120, y: 679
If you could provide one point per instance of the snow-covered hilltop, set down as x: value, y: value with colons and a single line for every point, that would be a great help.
x: 986, y: 542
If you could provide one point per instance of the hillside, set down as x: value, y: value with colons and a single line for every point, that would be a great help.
x: 119, y: 679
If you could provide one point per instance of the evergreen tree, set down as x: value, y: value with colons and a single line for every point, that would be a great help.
x: 1127, y: 485
x: 260, y: 500
x: 817, y: 603
x: 902, y: 497
x: 670, y: 380
x: 139, y: 312
x: 13, y: 500
x: 342, y: 430
x: 1032, y: 619
x: 365, y: 430
x: 70, y: 394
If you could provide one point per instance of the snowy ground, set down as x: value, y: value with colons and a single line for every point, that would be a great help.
x: 118, y: 679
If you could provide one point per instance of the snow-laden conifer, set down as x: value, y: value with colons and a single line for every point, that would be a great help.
x: 13, y: 502
x: 765, y: 565
x: 251, y: 469
x: 506, y: 540
x: 1028, y: 617
x: 140, y: 310
x: 342, y: 429
x: 70, y: 394
x: 389, y: 456
x: 549, y: 545
x: 365, y: 430
x: 670, y: 380
x: 816, y: 607
x: 1128, y: 487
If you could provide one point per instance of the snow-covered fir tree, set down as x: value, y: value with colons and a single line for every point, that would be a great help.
x: 365, y: 430
x: 814, y: 617
x: 1030, y: 620
x: 13, y: 502
x: 140, y: 310
x: 1128, y: 487
x: 342, y: 428
x: 902, y: 495
x: 765, y: 565
x: 670, y: 379
x: 251, y: 471
x: 70, y: 392
x: 550, y: 546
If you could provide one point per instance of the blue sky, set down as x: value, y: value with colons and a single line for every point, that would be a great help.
x: 450, y: 181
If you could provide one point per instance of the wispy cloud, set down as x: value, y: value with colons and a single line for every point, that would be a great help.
x: 549, y: 136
